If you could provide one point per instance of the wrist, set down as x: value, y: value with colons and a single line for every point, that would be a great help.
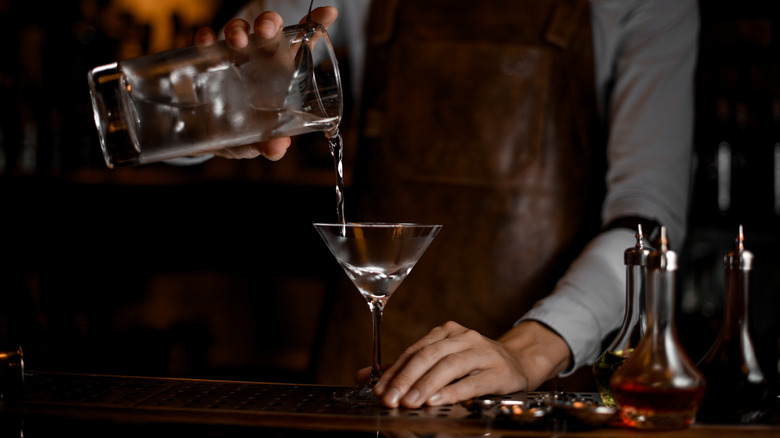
x: 541, y: 353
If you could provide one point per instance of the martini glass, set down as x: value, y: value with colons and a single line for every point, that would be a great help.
x: 376, y: 257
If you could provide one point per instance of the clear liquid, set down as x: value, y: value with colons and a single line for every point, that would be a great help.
x: 337, y: 151
x: 376, y: 283
x: 163, y: 131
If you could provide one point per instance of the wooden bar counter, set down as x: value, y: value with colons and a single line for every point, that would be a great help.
x: 58, y: 404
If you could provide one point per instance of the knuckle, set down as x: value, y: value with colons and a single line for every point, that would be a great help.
x: 436, y: 331
x: 456, y: 361
x: 472, y: 335
x: 427, y: 354
x: 409, y: 351
x: 451, y: 326
x: 237, y: 23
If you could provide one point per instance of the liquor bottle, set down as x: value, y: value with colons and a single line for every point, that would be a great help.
x: 736, y: 390
x: 633, y: 327
x: 658, y: 387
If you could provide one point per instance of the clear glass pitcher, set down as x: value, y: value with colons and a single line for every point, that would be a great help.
x: 195, y: 100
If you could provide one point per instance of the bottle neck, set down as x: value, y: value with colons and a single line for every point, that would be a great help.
x: 636, y: 279
x: 660, y: 302
x: 736, y: 318
x: 634, y: 322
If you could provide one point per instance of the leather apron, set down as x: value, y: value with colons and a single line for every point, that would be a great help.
x: 480, y: 116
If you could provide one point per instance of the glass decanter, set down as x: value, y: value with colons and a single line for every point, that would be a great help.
x: 633, y: 327
x: 737, y: 390
x: 658, y: 387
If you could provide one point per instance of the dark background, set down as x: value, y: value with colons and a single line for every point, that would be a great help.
x: 214, y: 270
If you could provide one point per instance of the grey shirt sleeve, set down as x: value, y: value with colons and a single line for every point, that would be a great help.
x: 645, y: 53
x: 589, y: 301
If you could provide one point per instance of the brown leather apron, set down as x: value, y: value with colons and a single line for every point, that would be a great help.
x: 480, y: 116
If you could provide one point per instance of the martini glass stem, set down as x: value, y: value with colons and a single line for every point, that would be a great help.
x: 377, y: 307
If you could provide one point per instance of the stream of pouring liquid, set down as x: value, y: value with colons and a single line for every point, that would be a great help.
x: 337, y: 151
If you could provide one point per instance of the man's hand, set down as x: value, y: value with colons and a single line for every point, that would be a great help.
x: 453, y: 363
x: 268, y: 29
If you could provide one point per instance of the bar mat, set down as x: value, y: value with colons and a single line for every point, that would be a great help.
x: 162, y: 394
x: 140, y: 400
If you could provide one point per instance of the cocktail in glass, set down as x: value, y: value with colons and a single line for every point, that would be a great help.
x: 376, y: 257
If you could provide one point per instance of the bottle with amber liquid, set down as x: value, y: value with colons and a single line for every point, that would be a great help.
x: 658, y: 387
x: 737, y: 390
x: 633, y: 326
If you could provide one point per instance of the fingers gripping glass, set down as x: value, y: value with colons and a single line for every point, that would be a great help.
x: 198, y: 100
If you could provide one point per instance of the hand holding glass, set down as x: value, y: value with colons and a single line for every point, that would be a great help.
x: 196, y: 100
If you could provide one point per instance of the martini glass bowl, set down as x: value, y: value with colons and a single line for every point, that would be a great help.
x: 376, y: 257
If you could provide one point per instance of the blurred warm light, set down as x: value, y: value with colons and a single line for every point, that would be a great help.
x: 158, y: 13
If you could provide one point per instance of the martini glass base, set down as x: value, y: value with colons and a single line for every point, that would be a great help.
x: 362, y: 396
